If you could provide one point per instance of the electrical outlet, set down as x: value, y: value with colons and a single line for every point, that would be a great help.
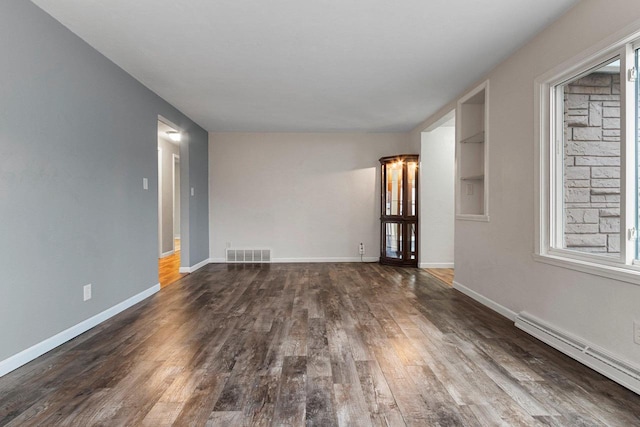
x: 145, y: 184
x: 469, y: 189
x: 636, y: 332
x: 87, y: 292
x: 228, y: 245
x: 361, y: 249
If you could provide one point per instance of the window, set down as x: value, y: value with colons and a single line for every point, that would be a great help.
x: 588, y: 162
x: 587, y: 171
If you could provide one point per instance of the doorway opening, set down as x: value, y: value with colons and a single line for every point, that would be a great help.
x: 169, y: 242
x: 437, y: 198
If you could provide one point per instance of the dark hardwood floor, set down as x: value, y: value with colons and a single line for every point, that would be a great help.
x: 444, y: 274
x: 169, y: 267
x: 314, y: 344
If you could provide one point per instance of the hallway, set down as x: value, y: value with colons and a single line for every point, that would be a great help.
x: 169, y: 267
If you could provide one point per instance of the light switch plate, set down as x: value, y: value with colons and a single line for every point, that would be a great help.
x: 145, y: 184
x: 86, y: 289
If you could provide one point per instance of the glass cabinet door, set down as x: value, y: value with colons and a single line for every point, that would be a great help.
x: 399, y: 210
x: 412, y: 178
x: 393, y: 240
x: 393, y: 189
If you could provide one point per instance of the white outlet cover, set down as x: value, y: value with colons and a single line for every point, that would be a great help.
x: 636, y: 332
x: 87, y: 292
x: 145, y: 184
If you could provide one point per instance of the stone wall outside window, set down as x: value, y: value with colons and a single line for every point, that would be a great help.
x: 592, y: 164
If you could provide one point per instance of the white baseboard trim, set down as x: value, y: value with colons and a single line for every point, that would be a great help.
x: 49, y: 344
x: 297, y: 260
x: 436, y: 265
x: 166, y: 254
x: 612, y: 367
x: 195, y: 267
x: 500, y: 309
x: 327, y: 259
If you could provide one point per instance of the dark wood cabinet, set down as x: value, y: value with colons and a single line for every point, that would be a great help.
x: 399, y: 210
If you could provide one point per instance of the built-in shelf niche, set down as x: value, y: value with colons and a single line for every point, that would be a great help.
x: 472, y: 178
x: 475, y: 138
x: 472, y: 148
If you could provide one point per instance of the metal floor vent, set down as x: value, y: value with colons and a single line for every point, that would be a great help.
x: 248, y: 255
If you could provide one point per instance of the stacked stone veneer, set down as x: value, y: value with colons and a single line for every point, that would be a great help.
x: 592, y: 164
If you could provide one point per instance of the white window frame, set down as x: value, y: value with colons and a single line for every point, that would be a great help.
x: 548, y: 170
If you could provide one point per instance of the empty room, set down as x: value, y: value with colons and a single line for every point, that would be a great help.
x: 319, y: 213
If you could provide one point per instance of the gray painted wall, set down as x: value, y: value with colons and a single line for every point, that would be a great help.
x: 197, y: 211
x: 77, y: 135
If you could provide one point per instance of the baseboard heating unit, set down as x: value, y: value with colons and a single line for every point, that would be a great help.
x: 599, y: 360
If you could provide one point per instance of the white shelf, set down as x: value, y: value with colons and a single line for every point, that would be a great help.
x: 476, y: 138
x: 472, y: 177
x: 473, y: 217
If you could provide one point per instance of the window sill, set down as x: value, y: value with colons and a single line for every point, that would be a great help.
x: 626, y: 273
x: 470, y: 217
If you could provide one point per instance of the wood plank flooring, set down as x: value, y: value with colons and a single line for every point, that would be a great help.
x: 444, y: 274
x: 169, y: 267
x: 310, y: 344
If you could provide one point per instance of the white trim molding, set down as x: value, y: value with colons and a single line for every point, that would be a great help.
x: 628, y: 273
x: 37, y: 350
x: 436, y: 265
x: 195, y: 267
x: 498, y: 308
x: 166, y: 254
x: 325, y: 259
x: 282, y: 261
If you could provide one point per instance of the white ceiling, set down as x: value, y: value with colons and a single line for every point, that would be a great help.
x: 306, y: 65
x: 163, y: 128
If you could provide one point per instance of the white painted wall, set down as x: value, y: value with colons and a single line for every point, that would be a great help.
x: 495, y: 259
x: 437, y: 202
x: 307, y: 196
x: 168, y: 149
x: 176, y: 199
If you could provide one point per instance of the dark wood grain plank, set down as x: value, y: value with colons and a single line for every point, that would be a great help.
x: 310, y: 344
x: 320, y: 410
x: 291, y: 403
